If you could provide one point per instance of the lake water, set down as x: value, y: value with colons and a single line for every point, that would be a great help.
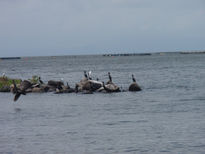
x: 167, y: 116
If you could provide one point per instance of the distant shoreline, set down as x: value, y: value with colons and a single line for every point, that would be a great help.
x: 114, y: 54
x: 154, y: 53
x: 9, y: 58
x: 128, y: 54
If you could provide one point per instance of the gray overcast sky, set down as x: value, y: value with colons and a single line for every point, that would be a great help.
x: 61, y: 27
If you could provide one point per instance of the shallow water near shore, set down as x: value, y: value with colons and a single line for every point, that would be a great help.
x: 167, y: 116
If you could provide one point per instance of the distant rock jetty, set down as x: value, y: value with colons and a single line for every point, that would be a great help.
x: 154, y: 53
x: 127, y: 54
x: 9, y: 58
x: 193, y: 52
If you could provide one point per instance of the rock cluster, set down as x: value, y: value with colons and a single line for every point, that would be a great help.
x: 86, y: 86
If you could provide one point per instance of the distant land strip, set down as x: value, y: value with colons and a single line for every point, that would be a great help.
x: 129, y: 54
x: 193, y: 52
x: 122, y: 54
x: 154, y: 53
x: 9, y: 58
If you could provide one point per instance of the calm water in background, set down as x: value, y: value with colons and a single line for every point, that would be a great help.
x: 168, y: 116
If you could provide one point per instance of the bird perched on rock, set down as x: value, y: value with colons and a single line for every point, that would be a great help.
x: 134, y: 86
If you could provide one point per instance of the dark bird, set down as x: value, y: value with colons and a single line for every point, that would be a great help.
x: 85, y: 74
x: 22, y: 89
x: 133, y: 78
x: 41, y: 82
x: 110, y: 78
x: 15, y: 89
x: 134, y: 86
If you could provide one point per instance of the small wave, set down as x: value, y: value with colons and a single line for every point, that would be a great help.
x: 135, y: 150
x: 66, y: 116
x: 164, y: 151
x: 124, y: 121
x: 39, y: 134
x: 9, y: 152
x: 192, y: 99
x: 17, y: 109
x: 132, y: 150
x: 109, y: 123
x: 197, y: 146
x: 141, y: 121
x: 72, y: 133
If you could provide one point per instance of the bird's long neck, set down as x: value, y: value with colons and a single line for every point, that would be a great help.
x: 85, y: 74
x: 110, y: 78
x: 133, y: 78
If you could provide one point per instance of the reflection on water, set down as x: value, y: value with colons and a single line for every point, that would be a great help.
x: 17, y: 109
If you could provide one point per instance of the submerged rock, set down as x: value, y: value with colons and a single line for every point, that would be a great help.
x: 5, y: 89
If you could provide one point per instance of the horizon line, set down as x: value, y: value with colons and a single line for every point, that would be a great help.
x: 111, y: 53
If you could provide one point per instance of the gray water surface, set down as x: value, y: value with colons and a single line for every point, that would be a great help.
x: 167, y: 116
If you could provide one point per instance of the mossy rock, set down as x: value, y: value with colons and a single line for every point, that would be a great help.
x: 6, y: 82
x: 34, y: 79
